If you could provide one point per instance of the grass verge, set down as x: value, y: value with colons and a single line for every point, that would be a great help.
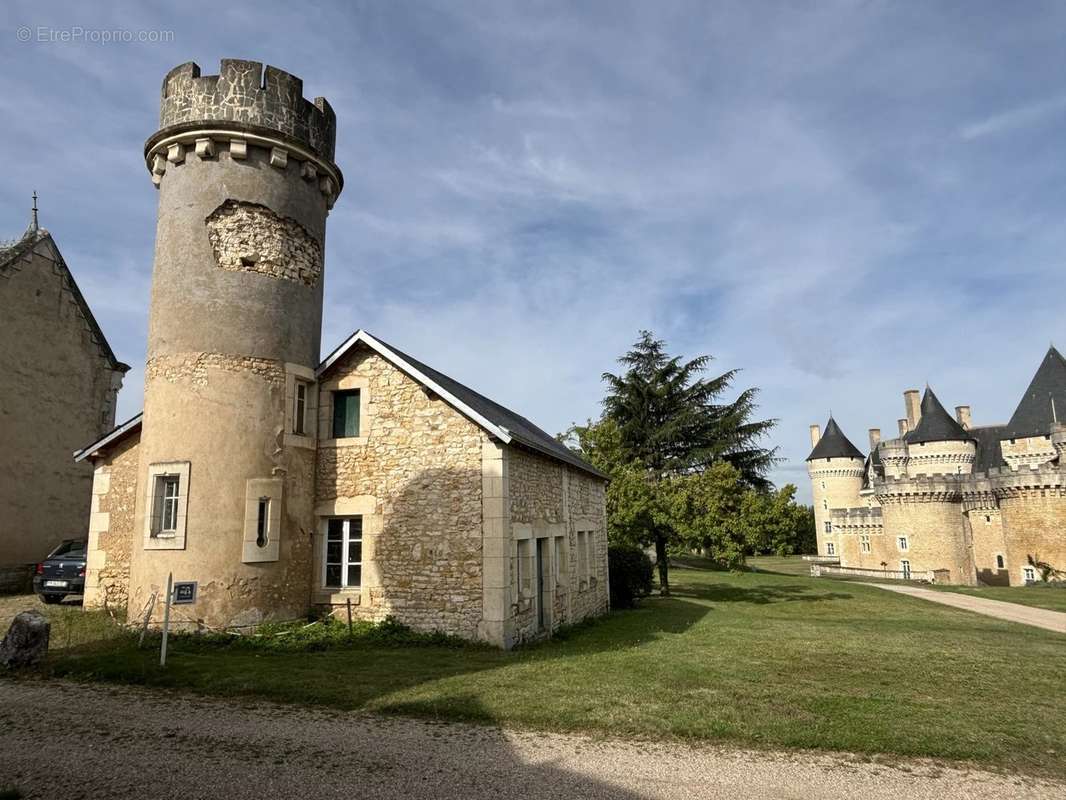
x: 754, y: 658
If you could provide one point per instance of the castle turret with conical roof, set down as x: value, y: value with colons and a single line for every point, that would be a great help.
x: 835, y: 466
x: 938, y: 444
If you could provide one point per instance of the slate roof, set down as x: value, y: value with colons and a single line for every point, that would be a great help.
x: 1034, y: 415
x: 936, y: 424
x: 989, y: 453
x: 834, y: 444
x: 498, y: 420
x: 116, y: 434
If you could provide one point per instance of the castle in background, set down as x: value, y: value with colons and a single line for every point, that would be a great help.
x: 946, y: 501
x: 283, y: 484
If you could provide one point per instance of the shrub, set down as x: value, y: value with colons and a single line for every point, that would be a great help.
x: 631, y: 574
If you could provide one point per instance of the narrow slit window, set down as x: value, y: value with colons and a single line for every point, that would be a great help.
x: 299, y: 410
x: 262, y: 522
x: 999, y: 562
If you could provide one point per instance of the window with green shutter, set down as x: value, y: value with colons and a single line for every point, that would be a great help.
x: 346, y: 414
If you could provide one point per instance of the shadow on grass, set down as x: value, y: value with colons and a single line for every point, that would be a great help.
x: 761, y: 595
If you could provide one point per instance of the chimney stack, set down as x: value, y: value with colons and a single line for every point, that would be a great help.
x: 875, y: 438
x: 913, y: 404
x: 962, y: 414
x: 815, y: 435
x: 903, y: 427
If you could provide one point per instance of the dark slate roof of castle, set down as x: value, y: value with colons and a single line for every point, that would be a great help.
x: 989, y: 453
x: 936, y: 424
x: 498, y: 420
x: 834, y: 444
x: 1035, y: 415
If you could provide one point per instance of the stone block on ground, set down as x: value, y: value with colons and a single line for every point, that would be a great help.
x: 26, y: 642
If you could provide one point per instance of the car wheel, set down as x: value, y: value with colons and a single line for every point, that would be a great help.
x: 51, y: 599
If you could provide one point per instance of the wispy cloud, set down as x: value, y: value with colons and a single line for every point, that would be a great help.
x: 527, y: 185
x: 1019, y: 117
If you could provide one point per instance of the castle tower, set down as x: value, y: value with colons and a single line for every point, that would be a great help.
x: 835, y: 466
x: 245, y: 172
x: 921, y: 498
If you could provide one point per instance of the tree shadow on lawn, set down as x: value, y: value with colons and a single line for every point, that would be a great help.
x: 760, y: 595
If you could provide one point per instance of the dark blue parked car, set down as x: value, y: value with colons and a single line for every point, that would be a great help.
x: 62, y: 573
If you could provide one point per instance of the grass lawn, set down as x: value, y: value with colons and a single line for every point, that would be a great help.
x: 785, y: 565
x: 754, y: 658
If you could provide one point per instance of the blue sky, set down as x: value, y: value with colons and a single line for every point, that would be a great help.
x: 844, y: 199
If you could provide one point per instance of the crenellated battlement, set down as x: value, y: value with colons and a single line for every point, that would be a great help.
x: 245, y: 94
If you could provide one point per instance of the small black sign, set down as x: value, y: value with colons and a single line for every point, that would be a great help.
x: 184, y: 592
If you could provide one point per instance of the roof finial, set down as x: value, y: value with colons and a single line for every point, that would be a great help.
x: 33, y: 225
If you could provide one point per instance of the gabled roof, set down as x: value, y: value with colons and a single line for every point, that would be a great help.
x: 936, y: 424
x: 127, y: 428
x: 500, y: 422
x: 30, y: 239
x: 834, y: 444
x: 1043, y: 402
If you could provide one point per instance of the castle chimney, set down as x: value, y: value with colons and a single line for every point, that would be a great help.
x: 903, y: 427
x: 913, y: 404
x: 962, y: 414
x: 875, y: 438
x: 815, y: 435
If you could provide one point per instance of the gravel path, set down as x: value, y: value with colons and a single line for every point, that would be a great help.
x: 1012, y: 612
x: 66, y: 740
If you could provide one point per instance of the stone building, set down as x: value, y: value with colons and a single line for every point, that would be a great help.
x: 946, y: 500
x: 60, y: 380
x: 282, y: 484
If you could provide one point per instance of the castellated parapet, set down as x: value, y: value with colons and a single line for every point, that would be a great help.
x: 244, y: 106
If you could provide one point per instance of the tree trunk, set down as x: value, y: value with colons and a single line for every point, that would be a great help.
x: 663, y: 563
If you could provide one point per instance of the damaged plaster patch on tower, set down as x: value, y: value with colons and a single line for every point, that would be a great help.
x: 248, y: 237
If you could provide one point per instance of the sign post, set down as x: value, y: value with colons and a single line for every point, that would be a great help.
x: 166, y: 619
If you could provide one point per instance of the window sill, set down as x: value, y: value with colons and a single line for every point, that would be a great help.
x: 299, y: 440
x: 348, y: 441
x: 339, y: 597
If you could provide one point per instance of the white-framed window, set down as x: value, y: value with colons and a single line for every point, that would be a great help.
x: 1000, y: 562
x: 830, y: 549
x: 864, y: 543
x: 1029, y: 574
x: 905, y: 568
x: 522, y: 571
x: 828, y: 526
x: 902, y: 542
x: 342, y: 559
x: 583, y: 557
x: 301, y: 403
x: 166, y: 505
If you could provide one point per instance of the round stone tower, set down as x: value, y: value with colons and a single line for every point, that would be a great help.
x: 835, y: 467
x: 245, y: 172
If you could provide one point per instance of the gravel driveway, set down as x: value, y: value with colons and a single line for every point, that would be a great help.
x: 65, y: 740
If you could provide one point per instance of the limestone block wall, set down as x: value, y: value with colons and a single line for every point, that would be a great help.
x: 836, y: 483
x: 985, y: 527
x: 936, y: 535
x: 940, y: 458
x: 550, y: 500
x: 57, y: 393
x: 111, y: 527
x: 1034, y: 524
x: 1028, y: 453
x: 416, y: 469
